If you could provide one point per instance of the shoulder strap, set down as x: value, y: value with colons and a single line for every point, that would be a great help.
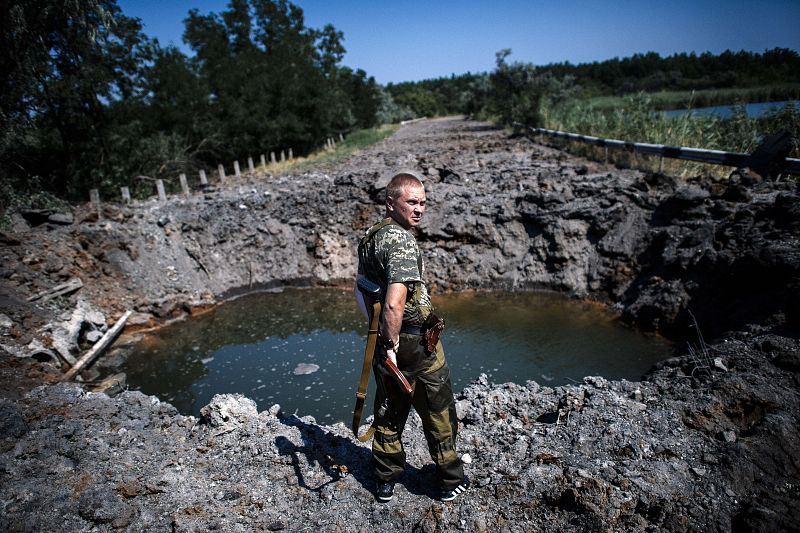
x: 375, y: 229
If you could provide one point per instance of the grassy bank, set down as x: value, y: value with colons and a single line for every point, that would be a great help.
x: 636, y: 119
x: 355, y: 141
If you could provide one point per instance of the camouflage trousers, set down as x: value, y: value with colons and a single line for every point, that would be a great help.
x: 432, y: 398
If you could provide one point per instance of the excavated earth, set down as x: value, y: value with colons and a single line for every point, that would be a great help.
x: 706, y: 441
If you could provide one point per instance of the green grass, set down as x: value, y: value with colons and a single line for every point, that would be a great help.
x: 355, y: 141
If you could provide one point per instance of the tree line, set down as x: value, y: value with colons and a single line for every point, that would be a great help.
x: 487, y: 93
x: 87, y: 100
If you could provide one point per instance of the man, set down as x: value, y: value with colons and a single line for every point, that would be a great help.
x: 389, y: 257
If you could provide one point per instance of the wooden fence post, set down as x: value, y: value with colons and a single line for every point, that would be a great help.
x: 184, y: 184
x: 250, y: 166
x: 221, y: 171
x: 263, y: 160
x: 236, y: 170
x: 94, y: 198
x: 126, y: 195
x: 203, y: 179
x: 162, y: 195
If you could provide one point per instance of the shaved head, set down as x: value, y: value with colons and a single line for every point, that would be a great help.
x: 399, y: 182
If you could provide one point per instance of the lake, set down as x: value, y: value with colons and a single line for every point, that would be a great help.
x: 726, y: 111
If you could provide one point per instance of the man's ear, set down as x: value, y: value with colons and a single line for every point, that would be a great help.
x: 389, y: 203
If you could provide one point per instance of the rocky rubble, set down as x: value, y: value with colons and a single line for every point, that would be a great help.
x: 688, y: 449
x: 706, y: 442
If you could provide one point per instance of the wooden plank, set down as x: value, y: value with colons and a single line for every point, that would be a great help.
x: 65, y: 288
x: 98, y: 348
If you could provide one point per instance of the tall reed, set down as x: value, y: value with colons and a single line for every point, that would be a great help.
x: 636, y: 120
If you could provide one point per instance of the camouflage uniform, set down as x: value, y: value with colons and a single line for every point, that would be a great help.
x: 389, y: 254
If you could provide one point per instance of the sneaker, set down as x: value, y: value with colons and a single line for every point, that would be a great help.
x: 450, y: 495
x: 385, y: 491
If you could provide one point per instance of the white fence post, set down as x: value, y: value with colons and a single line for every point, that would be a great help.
x: 250, y: 166
x: 236, y: 170
x: 203, y: 179
x: 291, y: 155
x: 126, y: 195
x: 283, y: 156
x: 272, y: 158
x: 221, y: 171
x: 263, y: 160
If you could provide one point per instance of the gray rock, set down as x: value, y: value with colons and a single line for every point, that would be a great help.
x: 61, y: 218
x: 229, y: 410
x: 93, y: 336
x: 100, y: 505
x: 12, y: 423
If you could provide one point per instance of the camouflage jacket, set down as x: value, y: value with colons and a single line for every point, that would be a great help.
x: 389, y: 254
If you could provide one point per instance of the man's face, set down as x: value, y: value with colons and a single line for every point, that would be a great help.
x: 407, y: 209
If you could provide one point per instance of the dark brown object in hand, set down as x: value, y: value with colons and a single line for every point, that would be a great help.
x: 386, y: 365
x: 431, y: 332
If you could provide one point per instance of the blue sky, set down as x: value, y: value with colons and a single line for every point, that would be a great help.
x: 406, y: 40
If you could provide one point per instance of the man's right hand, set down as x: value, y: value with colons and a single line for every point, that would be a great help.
x: 388, y: 348
x: 387, y: 366
x: 392, y: 356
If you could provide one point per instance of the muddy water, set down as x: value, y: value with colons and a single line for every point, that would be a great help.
x: 303, y: 349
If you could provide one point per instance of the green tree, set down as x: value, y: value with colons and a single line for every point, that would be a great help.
x: 274, y: 83
x: 62, y: 64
